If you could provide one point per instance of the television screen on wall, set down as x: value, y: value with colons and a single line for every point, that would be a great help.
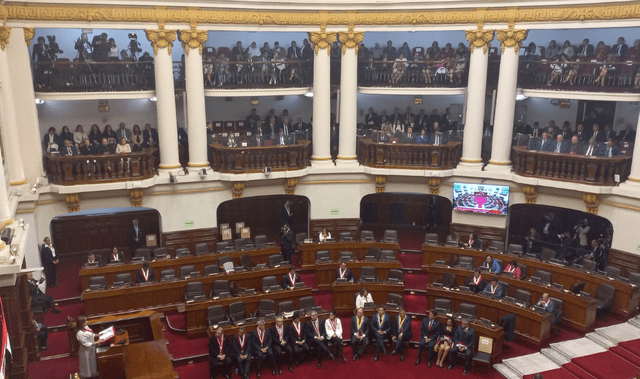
x: 481, y: 198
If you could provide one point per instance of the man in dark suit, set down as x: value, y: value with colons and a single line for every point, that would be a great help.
x: 585, y: 50
x: 252, y: 119
x: 281, y: 139
x: 68, y: 149
x: 145, y: 274
x: 475, y: 282
x: 136, y: 236
x: 536, y: 131
x: 422, y: 119
x: 294, y: 51
x: 298, y: 340
x: 343, y: 272
x: 597, y: 134
x: 104, y: 148
x: 287, y: 127
x: 429, y: 331
x: 409, y: 136
x: 315, y: 337
x: 610, y: 150
x: 50, y: 261
x: 380, y: 331
x: 242, y: 352
x: 37, y: 296
x: 608, y: 133
x: 259, y: 127
x: 371, y: 118
x: 576, y: 147
x: 494, y: 288
x: 286, y: 213
x: 390, y: 50
x: 280, y: 338
x: 582, y: 134
x: 257, y: 139
x: 115, y: 256
x: 532, y: 244
x: 437, y: 138
x: 628, y: 134
x: 592, y: 149
x: 395, y: 117
x: 289, y: 281
x: 359, y: 331
x: 463, y: 340
x: 272, y: 116
x: 401, y: 332
x: 561, y: 146
x: 149, y: 136
x: 261, y: 340
x: 286, y: 242
x: 219, y: 354
x: 408, y: 115
x: 545, y: 144
x: 382, y: 118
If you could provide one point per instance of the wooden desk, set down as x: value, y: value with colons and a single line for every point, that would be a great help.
x: 164, y: 296
x: 250, y: 327
x: 531, y: 326
x: 326, y: 272
x: 359, y: 249
x: 148, y: 360
x: 196, y: 312
x: 627, y: 296
x: 110, y: 271
x: 344, y: 293
x: 578, y: 312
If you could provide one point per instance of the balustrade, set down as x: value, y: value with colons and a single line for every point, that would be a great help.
x: 412, y: 156
x: 255, y: 159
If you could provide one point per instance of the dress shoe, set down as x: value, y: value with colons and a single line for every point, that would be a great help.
x: 337, y: 361
x: 376, y: 358
x: 401, y: 358
x: 273, y: 372
x: 417, y: 361
x: 343, y: 357
x: 331, y: 356
x: 319, y: 364
x: 56, y: 310
x: 43, y: 348
x: 356, y: 357
x: 429, y: 364
x: 226, y: 376
x: 280, y: 370
x: 258, y: 375
x: 450, y: 367
x: 290, y: 368
x: 297, y: 363
x: 465, y: 371
x: 394, y: 352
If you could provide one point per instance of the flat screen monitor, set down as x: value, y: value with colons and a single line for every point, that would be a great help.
x: 481, y: 198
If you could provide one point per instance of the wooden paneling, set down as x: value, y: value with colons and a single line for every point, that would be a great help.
x: 189, y: 239
x: 77, y: 235
x: 359, y: 249
x: 254, y: 159
x: 485, y: 233
x: 409, y: 156
x: 626, y: 262
x: 335, y: 227
x: 325, y: 273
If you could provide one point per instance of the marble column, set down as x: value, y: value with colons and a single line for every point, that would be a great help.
x: 321, y: 98
x: 162, y: 41
x: 479, y: 43
x: 634, y: 176
x: 193, y: 42
x: 10, y: 140
x: 510, y: 42
x: 349, y: 41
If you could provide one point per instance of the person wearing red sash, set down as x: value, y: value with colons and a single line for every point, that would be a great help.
x: 87, y: 349
x: 333, y: 330
x: 316, y: 337
x: 475, y: 282
x: 401, y: 333
x: 261, y: 339
x: 359, y: 332
x: 429, y: 332
x: 115, y: 256
x: 242, y: 352
x: 343, y: 272
x: 289, y: 281
x: 298, y: 339
x: 145, y: 274
x: 280, y: 338
x: 494, y: 288
x: 380, y: 330
x: 219, y: 354
x: 463, y: 340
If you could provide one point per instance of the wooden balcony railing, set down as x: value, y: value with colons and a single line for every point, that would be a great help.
x: 571, y: 168
x: 91, y: 169
x: 255, y: 159
x: 412, y: 156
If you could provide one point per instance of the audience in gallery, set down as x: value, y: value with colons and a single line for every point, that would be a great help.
x: 408, y: 127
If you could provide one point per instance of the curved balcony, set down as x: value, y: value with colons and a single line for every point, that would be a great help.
x: 579, y: 75
x: 409, y: 156
x: 571, y: 168
x: 446, y: 73
x: 258, y: 74
x: 236, y: 160
x: 63, y: 75
x: 93, y: 169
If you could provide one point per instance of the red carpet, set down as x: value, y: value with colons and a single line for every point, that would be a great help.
x: 411, y: 260
x: 411, y: 239
x: 59, y: 368
x: 416, y: 281
x: 181, y: 347
x: 577, y: 371
x: 68, y: 280
x: 324, y: 299
x: 309, y: 279
x: 72, y: 310
x: 58, y: 344
x: 626, y: 355
x: 558, y: 373
x: 606, y: 365
x: 632, y: 346
x: 415, y: 303
x: 176, y: 320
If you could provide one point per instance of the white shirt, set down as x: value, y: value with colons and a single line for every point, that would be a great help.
x: 360, y: 300
x: 123, y: 148
x: 322, y: 238
x: 331, y: 331
x: 53, y: 251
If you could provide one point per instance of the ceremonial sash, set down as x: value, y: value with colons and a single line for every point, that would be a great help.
x: 342, y: 273
x: 261, y: 336
x: 297, y: 328
x: 241, y: 341
x: 146, y: 275
x: 477, y: 280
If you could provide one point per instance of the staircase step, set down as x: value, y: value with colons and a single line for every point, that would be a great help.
x: 555, y: 356
x: 505, y: 371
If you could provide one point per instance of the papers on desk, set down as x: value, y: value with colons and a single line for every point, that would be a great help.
x: 107, y: 334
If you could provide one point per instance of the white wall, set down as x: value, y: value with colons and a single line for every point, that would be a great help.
x: 541, y: 110
x: 388, y: 102
x: 626, y: 113
x: 238, y: 108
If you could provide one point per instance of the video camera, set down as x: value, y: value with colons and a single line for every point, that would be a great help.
x: 134, y: 45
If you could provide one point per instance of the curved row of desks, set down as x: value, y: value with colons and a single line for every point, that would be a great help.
x: 359, y: 249
x: 625, y: 303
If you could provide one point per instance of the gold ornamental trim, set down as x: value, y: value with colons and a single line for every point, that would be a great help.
x: 29, y: 33
x: 19, y: 182
x: 161, y: 38
x: 237, y: 190
x: 511, y: 38
x: 73, y: 202
x: 193, y: 16
x: 205, y: 164
x: 499, y: 163
x: 169, y: 166
x: 530, y: 194
x: 320, y: 158
x: 322, y: 40
x: 350, y: 40
x: 480, y: 38
x: 592, y: 201
x: 381, y: 183
x: 192, y: 39
x: 633, y: 179
x: 5, y: 33
x: 290, y: 186
x: 467, y: 160
x: 336, y: 181
x: 434, y: 186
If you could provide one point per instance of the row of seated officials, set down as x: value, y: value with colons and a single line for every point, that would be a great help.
x: 296, y: 341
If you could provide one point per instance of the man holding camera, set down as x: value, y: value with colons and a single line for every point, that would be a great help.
x: 286, y: 242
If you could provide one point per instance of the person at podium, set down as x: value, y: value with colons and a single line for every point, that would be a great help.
x: 343, y: 272
x: 363, y: 297
x: 324, y: 235
x: 473, y: 242
x: 87, y: 349
x: 145, y: 274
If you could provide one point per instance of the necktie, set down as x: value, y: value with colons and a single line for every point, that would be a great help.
x: 69, y: 150
x: 286, y: 130
x: 589, y: 151
x: 437, y: 140
x: 557, y: 148
x: 542, y: 145
x: 608, y: 152
x: 136, y: 232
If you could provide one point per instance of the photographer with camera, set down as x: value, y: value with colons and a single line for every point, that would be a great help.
x: 100, y: 45
x: 134, y: 46
x: 41, y: 55
x: 286, y: 242
x: 84, y: 48
x: 54, y: 49
x: 581, y: 230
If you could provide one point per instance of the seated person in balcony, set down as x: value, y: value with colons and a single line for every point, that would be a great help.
x: 545, y: 144
x: 628, y: 135
x: 410, y: 123
x: 294, y: 51
x: 149, y: 136
x: 405, y: 50
x: 561, y: 146
x: 585, y: 49
x: 299, y: 125
x: 428, y: 68
x: 145, y: 274
x: 387, y: 128
x: 123, y: 132
x: 371, y: 118
x: 583, y: 135
x: 286, y: 127
x: 272, y: 126
x: 409, y: 136
x: 231, y: 142
x: 343, y: 272
x: 136, y: 139
x: 620, y: 48
x: 608, y: 133
x: 123, y: 147
x: 281, y: 140
x: 610, y: 150
x: 592, y: 149
x: 68, y: 149
x: 475, y: 281
x: 257, y: 139
x: 37, y: 296
x: 458, y: 68
x: 277, y: 66
x: 259, y: 128
x: 512, y: 268
x: 109, y: 134
x: 566, y: 131
x: 79, y: 135
x: 115, y: 256
x: 86, y: 148
x: 95, y: 135
x: 553, y: 49
x: 598, y: 135
x: 104, y: 148
x: 222, y: 69
x: 324, y: 235
x: 607, y: 69
x: 208, y: 69
x: 399, y: 67
x: 289, y: 281
x: 494, y: 288
x: 50, y: 141
x: 558, y: 68
x: 253, y: 50
x: 546, y: 303
x: 423, y: 138
x: 568, y: 50
x: 437, y: 138
x: 252, y: 119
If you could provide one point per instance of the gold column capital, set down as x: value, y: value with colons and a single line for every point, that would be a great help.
x: 73, y: 202
x: 161, y: 38
x: 322, y: 40
x: 237, y: 190
x: 511, y: 38
x: 381, y: 182
x: 350, y: 40
x: 192, y: 39
x: 29, y: 33
x: 434, y: 186
x: 290, y: 186
x: 480, y: 38
x: 530, y: 194
x: 5, y: 33
x: 592, y: 201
